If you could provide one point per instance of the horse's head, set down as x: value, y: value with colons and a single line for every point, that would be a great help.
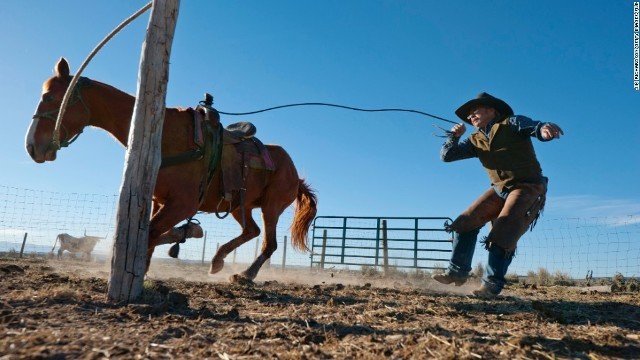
x: 40, y: 140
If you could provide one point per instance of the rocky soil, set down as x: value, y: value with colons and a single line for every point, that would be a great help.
x: 52, y: 309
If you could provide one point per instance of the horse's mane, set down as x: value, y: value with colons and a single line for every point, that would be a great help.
x: 132, y: 97
x: 111, y: 87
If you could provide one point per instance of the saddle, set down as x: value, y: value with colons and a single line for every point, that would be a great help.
x: 233, y: 149
x: 241, y: 150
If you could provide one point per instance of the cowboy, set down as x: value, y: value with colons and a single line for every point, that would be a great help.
x: 518, y: 190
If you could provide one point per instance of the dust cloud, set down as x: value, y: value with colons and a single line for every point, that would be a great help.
x: 177, y: 269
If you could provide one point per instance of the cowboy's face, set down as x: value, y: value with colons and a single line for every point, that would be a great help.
x: 480, y: 116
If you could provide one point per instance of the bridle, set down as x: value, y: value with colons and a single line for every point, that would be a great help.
x: 76, y: 97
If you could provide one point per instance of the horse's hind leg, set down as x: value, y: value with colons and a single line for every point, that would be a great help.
x: 250, y: 231
x: 269, y: 245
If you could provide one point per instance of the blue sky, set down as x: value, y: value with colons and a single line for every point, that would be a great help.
x: 568, y: 62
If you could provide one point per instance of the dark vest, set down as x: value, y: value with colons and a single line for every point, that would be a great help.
x: 509, y: 158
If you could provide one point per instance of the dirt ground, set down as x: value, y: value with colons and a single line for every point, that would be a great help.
x: 52, y: 309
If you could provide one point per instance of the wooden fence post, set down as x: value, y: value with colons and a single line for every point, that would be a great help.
x: 385, y: 249
x: 143, y: 157
x: 255, y: 255
x: 24, y: 241
x: 284, y: 253
x: 204, y: 243
x: 324, y: 248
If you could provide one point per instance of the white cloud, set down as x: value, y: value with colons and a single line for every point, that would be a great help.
x: 12, y: 232
x: 588, y: 206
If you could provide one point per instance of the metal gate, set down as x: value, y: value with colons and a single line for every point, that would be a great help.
x: 399, y: 242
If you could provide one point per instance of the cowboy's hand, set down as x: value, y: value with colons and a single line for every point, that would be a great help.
x: 458, y: 130
x: 551, y: 131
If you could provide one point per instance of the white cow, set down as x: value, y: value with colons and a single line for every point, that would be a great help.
x: 74, y: 245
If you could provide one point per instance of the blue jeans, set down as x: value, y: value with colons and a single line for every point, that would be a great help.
x: 464, y: 244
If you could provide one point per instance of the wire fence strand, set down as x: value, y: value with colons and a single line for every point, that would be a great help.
x: 570, y: 246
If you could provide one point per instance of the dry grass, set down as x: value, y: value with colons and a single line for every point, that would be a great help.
x: 52, y: 311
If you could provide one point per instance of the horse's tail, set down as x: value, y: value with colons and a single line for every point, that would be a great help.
x: 306, y: 209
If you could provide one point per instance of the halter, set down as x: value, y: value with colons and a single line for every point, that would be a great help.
x: 53, y: 114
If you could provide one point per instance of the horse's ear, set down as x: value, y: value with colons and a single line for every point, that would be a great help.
x: 62, y: 68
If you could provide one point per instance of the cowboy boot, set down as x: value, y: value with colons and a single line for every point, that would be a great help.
x: 493, y: 280
x: 485, y: 292
x: 447, y: 279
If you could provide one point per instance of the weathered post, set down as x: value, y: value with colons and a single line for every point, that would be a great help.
x: 24, y: 241
x: 204, y: 244
x: 284, y: 254
x: 324, y: 248
x: 143, y: 156
x: 255, y: 255
x: 385, y: 248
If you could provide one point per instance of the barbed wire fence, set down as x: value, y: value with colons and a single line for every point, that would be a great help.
x: 572, y: 246
x: 600, y: 246
x: 42, y: 215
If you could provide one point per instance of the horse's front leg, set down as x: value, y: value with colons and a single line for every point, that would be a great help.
x: 164, y: 218
x: 179, y: 234
x: 250, y: 231
x: 155, y: 208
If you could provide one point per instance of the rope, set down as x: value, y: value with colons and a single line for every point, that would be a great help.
x: 338, y: 106
x: 56, y: 132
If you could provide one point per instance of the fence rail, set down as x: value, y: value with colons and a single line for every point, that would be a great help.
x: 416, y: 242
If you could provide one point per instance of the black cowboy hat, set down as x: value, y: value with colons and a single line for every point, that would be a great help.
x: 484, y: 99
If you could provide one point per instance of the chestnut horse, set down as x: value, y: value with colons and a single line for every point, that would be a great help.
x: 177, y: 192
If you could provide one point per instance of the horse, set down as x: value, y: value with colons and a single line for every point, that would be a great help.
x: 74, y: 245
x: 178, y: 193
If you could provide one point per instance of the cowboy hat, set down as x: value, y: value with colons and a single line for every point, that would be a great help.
x: 484, y: 99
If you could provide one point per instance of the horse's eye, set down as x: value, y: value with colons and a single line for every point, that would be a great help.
x: 47, y: 98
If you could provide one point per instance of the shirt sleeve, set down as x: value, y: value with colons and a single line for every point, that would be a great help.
x: 453, y: 149
x: 527, y: 127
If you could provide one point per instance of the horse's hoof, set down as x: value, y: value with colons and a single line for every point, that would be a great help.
x: 241, y: 280
x: 216, y: 266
